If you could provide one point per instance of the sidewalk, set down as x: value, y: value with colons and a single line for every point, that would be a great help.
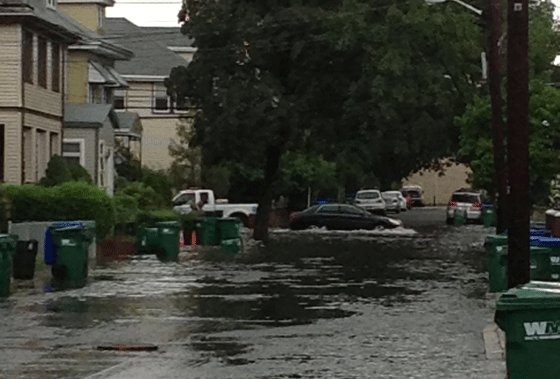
x: 494, y: 337
x: 494, y: 342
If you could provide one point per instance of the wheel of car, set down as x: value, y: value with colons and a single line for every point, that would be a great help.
x: 380, y: 227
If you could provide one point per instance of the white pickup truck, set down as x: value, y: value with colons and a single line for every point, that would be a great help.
x: 184, y: 201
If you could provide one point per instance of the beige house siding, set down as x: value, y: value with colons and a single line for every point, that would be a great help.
x: 10, y: 66
x: 159, y: 129
x: 43, y: 100
x: 85, y: 14
x: 12, y: 150
x: 438, y: 189
x: 156, y: 138
x: 78, y: 71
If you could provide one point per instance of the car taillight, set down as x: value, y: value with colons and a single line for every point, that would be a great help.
x: 452, y: 204
x: 293, y: 216
x: 477, y: 205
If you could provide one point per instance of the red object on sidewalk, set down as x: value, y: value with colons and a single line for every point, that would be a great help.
x: 181, y: 239
x: 193, y: 238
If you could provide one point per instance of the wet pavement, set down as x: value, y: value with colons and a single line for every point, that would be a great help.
x: 407, y: 303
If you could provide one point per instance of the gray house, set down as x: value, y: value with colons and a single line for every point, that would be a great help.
x: 89, y: 140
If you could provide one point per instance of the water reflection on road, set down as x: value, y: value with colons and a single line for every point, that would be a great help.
x: 313, y: 304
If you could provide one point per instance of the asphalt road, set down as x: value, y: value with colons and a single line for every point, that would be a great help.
x: 410, y: 303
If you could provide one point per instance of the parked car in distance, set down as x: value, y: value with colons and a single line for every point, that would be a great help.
x: 371, y: 200
x: 395, y: 201
x: 415, y: 194
x: 340, y: 217
x: 466, y: 199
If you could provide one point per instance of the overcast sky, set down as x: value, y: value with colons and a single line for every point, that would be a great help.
x: 153, y: 13
x: 164, y: 12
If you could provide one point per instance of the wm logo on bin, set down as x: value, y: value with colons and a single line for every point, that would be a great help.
x: 67, y: 242
x: 555, y: 260
x: 542, y: 330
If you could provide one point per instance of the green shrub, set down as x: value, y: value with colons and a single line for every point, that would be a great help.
x: 79, y: 172
x: 126, y: 208
x: 162, y: 214
x: 66, y: 202
x: 146, y: 197
x: 159, y: 181
x: 57, y: 172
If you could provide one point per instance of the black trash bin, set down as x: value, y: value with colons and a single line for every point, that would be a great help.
x: 24, y: 259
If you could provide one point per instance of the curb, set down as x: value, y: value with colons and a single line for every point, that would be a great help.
x: 494, y: 342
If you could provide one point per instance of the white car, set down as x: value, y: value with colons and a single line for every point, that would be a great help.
x: 371, y: 201
x: 470, y: 201
x: 395, y: 201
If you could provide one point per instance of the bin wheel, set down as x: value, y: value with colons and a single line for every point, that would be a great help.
x: 59, y: 272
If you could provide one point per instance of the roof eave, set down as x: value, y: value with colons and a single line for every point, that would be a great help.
x: 63, y: 33
x: 105, y: 49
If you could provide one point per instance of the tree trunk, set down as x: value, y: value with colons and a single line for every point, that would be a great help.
x: 272, y: 169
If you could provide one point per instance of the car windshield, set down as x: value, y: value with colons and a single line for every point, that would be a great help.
x: 389, y: 194
x: 367, y: 195
x: 415, y: 193
x: 464, y: 198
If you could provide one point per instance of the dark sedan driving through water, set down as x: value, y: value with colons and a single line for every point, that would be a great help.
x: 340, y: 217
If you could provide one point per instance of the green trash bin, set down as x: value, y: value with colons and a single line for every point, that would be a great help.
x: 147, y: 239
x: 498, y: 262
x: 496, y: 247
x: 208, y: 231
x: 8, y: 244
x: 169, y: 240
x: 71, y: 244
x: 460, y: 217
x: 488, y: 215
x: 231, y: 245
x: 229, y: 228
x: 529, y: 316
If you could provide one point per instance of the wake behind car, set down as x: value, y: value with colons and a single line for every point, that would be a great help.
x: 371, y: 200
x: 470, y: 201
x: 340, y: 217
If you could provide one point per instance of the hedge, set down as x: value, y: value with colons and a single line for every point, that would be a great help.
x: 66, y: 202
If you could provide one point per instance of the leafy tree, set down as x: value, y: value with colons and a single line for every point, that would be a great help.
x: 475, y: 124
x: 261, y: 77
x: 544, y: 146
x: 418, y: 69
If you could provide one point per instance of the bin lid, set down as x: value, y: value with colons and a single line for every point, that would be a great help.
x: 533, y: 295
x: 548, y: 241
x: 169, y: 223
x: 68, y: 224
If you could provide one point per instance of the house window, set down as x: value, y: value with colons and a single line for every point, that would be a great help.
x: 118, y: 98
x: 54, y: 147
x: 100, y: 16
x: 51, y: 4
x: 182, y: 104
x: 73, y: 151
x: 55, y: 67
x: 42, y: 62
x: 101, y: 168
x: 161, y: 100
x: 27, y: 56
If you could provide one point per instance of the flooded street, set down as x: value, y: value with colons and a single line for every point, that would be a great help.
x: 410, y: 303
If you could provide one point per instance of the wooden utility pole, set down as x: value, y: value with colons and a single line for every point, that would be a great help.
x: 519, y: 256
x: 494, y: 30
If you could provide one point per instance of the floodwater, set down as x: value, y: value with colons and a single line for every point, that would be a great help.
x: 407, y: 303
